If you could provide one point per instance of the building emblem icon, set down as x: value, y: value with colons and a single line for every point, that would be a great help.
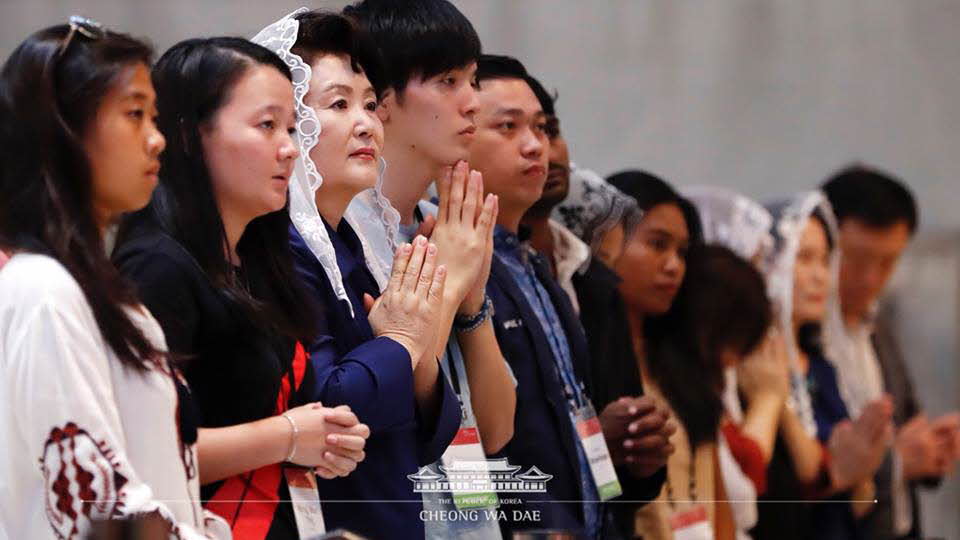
x: 496, y: 475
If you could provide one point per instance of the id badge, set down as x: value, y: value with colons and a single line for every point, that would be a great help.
x: 305, y: 499
x: 691, y: 524
x: 595, y: 447
x: 465, y: 465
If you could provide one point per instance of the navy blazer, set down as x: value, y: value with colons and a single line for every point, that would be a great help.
x: 543, y: 434
x: 374, y: 377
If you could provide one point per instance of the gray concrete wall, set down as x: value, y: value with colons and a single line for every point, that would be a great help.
x: 765, y: 96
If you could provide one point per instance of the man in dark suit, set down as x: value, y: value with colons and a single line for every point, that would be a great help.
x: 581, y: 264
x: 877, y: 216
x: 537, y: 328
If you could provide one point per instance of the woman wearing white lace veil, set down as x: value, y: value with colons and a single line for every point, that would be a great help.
x: 792, y: 217
x: 371, y: 363
x: 802, y: 282
x: 743, y: 226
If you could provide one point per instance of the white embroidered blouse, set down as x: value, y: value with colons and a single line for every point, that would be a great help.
x: 84, y: 437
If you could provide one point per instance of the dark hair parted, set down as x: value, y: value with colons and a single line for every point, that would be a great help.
x: 417, y: 38
x: 48, y: 99
x: 324, y: 33
x: 872, y: 196
x: 690, y: 380
x: 193, y: 80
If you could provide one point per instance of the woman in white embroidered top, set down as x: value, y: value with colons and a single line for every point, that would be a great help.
x: 90, y: 411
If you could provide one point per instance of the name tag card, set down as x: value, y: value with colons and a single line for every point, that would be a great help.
x: 466, y: 470
x: 306, y: 502
x: 691, y: 524
x: 595, y: 447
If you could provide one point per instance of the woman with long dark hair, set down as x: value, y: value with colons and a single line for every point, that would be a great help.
x: 729, y: 316
x: 211, y: 258
x: 88, y: 390
x: 750, y: 427
x: 671, y: 364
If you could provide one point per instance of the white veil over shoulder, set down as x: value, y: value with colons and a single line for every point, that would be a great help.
x: 377, y: 224
x: 280, y: 37
x: 790, y: 218
x: 370, y: 214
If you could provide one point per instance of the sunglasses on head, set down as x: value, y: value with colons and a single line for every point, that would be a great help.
x: 88, y: 28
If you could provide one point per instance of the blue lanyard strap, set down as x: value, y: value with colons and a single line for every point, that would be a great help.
x: 458, y: 377
x: 573, y: 389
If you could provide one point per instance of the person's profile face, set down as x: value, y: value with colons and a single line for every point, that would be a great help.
x: 434, y: 117
x: 350, y: 142
x: 654, y: 262
x: 123, y: 145
x: 558, y: 171
x: 870, y: 256
x: 510, y: 147
x: 248, y: 144
x: 811, y: 274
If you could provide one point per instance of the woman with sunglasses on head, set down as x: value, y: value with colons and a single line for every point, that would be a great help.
x: 92, y: 414
x: 211, y: 258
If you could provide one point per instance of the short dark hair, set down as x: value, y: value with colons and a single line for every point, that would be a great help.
x: 547, y: 100
x: 417, y: 38
x: 49, y: 96
x: 193, y: 80
x: 498, y: 66
x: 872, y: 196
x: 495, y: 66
x: 323, y: 33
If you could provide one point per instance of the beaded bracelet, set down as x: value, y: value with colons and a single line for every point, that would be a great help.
x: 466, y: 324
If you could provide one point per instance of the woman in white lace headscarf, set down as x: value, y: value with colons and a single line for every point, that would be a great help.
x: 746, y: 445
x: 802, y: 281
x: 368, y: 355
x: 793, y: 219
x: 743, y: 225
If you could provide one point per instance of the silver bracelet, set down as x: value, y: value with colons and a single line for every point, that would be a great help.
x: 293, y: 437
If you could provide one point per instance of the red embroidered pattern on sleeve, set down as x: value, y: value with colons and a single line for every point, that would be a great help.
x: 73, y: 462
